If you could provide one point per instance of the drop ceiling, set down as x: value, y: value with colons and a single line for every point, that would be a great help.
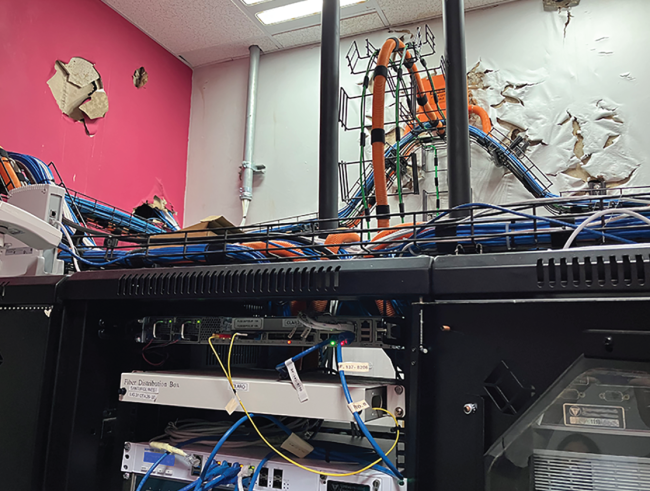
x: 203, y: 32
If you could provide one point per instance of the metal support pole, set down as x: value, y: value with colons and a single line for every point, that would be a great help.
x: 247, y: 168
x: 458, y: 154
x: 328, y: 194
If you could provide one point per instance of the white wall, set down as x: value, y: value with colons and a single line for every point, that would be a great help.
x: 596, y: 72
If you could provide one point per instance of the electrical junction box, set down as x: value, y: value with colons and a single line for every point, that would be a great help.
x: 278, y: 474
x: 262, y: 392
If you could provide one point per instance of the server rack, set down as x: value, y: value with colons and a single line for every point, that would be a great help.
x: 30, y: 315
x: 489, y: 338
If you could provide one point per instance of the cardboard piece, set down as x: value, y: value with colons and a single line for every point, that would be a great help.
x: 73, y: 84
x: 208, y: 227
x: 97, y: 106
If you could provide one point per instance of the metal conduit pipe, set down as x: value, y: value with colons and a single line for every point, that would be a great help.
x: 328, y: 193
x: 248, y: 168
x: 458, y: 153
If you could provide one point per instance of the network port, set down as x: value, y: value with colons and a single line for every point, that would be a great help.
x: 263, y: 480
x: 196, y: 465
x: 277, y: 478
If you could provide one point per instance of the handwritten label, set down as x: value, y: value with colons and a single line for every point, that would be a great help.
x: 355, y: 407
x: 241, y: 386
x: 295, y: 380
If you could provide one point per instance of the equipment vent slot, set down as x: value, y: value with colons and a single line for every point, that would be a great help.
x: 608, y: 271
x: 554, y: 470
x: 242, y: 356
x: 244, y: 281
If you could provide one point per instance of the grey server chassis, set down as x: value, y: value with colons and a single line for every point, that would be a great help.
x: 515, y: 365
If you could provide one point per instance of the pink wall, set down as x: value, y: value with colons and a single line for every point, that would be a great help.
x: 140, y: 147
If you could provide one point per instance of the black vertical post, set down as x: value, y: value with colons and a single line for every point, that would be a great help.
x: 458, y: 156
x: 328, y: 193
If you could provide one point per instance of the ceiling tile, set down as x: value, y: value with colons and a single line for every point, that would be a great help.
x: 403, y: 12
x: 187, y: 25
x: 349, y: 27
x: 224, y: 52
x: 410, y: 11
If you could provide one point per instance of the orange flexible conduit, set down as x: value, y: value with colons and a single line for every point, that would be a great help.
x: 335, y: 241
x: 7, y: 173
x: 273, y: 249
x: 378, y: 136
x: 485, y: 119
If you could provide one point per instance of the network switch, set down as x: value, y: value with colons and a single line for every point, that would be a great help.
x: 371, y: 332
x: 262, y: 392
x: 276, y: 473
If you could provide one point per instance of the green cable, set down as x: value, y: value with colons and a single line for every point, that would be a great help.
x: 397, y: 135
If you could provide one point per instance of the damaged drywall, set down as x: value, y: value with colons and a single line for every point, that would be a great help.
x: 78, y: 90
x: 584, y: 141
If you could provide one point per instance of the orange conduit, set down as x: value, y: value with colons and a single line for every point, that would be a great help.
x: 378, y: 137
x: 385, y: 308
x: 273, y: 249
x: 7, y: 173
x: 337, y: 240
x: 485, y: 119
x: 319, y: 305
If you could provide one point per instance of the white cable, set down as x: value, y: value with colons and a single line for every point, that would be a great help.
x: 597, y: 215
x: 322, y: 326
x: 72, y: 248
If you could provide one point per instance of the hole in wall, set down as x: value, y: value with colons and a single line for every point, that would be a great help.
x: 140, y: 77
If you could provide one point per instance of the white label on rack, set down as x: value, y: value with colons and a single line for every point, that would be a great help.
x: 295, y: 380
x: 231, y: 406
x: 297, y: 446
x: 142, y: 396
x: 241, y: 386
x: 355, y: 407
x: 140, y: 388
x: 291, y: 323
x: 354, y: 366
x: 247, y: 323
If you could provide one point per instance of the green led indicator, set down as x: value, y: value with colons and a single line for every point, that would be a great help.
x: 333, y: 343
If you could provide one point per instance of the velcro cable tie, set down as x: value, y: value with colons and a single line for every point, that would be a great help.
x: 383, y: 210
x: 378, y: 135
x: 423, y: 100
x: 381, y: 71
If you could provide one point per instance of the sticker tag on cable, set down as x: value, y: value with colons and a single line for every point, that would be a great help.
x: 295, y: 380
x: 354, y: 366
x: 355, y: 407
x: 297, y: 446
x: 231, y: 406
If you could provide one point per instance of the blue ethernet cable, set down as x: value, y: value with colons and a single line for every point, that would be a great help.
x: 362, y: 425
x: 151, y: 469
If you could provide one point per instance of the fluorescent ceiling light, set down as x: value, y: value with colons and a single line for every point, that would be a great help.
x: 253, y: 2
x: 296, y: 10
